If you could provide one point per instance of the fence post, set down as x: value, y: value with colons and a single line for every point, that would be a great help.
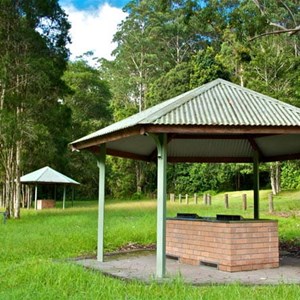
x: 195, y: 199
x: 271, y: 204
x: 180, y: 198
x: 204, y: 199
x: 244, y: 197
x: 172, y: 197
x: 226, y: 201
x: 186, y: 198
x: 209, y: 199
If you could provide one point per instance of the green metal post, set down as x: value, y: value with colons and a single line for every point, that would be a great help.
x: 161, y: 205
x: 256, y: 185
x: 64, y: 198
x: 101, y: 202
x: 35, y: 197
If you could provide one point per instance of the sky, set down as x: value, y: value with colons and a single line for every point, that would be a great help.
x: 94, y: 22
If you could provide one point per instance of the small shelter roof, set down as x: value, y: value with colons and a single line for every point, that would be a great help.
x: 47, y: 175
x: 216, y: 122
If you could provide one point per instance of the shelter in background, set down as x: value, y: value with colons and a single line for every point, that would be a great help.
x: 217, y: 122
x: 47, y: 176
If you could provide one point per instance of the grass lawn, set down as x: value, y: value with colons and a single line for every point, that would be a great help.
x: 33, y: 249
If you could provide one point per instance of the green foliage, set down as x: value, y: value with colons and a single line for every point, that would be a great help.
x: 171, y: 84
x: 290, y: 175
x: 206, y: 68
x: 274, y: 69
x: 193, y: 178
x: 164, y: 48
x: 33, y: 57
x: 121, y: 178
x: 88, y: 104
x: 89, y: 100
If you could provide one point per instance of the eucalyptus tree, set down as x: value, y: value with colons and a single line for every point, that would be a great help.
x: 281, y: 17
x: 274, y: 70
x: 150, y: 41
x: 89, y: 102
x: 33, y: 56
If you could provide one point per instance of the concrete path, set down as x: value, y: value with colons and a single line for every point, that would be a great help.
x: 142, y: 267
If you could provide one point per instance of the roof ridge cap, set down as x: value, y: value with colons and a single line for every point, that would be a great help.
x: 43, y: 172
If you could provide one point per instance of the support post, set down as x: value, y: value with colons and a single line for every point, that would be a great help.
x: 64, y: 198
x: 35, y: 197
x: 101, y: 201
x: 256, y: 184
x: 161, y: 143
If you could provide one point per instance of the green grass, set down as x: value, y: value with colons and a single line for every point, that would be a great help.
x: 33, y: 250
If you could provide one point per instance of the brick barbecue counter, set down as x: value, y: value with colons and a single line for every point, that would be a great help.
x: 230, y: 245
x: 41, y: 204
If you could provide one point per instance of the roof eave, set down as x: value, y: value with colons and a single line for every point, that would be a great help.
x: 110, y: 137
x: 142, y: 129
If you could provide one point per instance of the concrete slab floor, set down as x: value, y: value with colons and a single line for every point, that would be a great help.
x: 142, y: 266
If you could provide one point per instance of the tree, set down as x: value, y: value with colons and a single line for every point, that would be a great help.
x: 207, y: 67
x: 88, y: 102
x: 273, y: 69
x: 33, y: 55
x: 171, y: 84
x: 282, y: 16
x: 234, y: 55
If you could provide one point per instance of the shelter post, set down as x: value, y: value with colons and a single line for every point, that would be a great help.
x: 64, y: 198
x: 35, y: 197
x: 101, y: 201
x: 256, y: 185
x: 161, y: 141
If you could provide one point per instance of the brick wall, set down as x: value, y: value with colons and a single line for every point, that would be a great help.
x: 232, y: 246
x: 41, y: 204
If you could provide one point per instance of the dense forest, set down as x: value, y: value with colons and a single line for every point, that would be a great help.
x: 164, y: 48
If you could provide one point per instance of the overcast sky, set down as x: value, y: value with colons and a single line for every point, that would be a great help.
x: 93, y: 25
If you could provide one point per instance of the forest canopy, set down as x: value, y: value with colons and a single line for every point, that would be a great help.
x: 163, y: 48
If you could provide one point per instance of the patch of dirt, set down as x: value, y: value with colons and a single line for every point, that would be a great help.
x: 285, y: 214
x: 136, y: 247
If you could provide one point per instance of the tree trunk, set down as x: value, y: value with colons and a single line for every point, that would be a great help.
x: 140, y: 176
x: 275, y: 177
x: 278, y: 176
x: 17, y: 185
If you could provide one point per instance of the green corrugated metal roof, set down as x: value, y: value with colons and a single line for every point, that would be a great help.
x: 216, y: 103
x: 47, y: 175
x: 219, y: 122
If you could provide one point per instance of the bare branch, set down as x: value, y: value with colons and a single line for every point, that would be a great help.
x: 289, y: 11
x: 259, y: 6
x: 283, y: 29
x: 290, y: 31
